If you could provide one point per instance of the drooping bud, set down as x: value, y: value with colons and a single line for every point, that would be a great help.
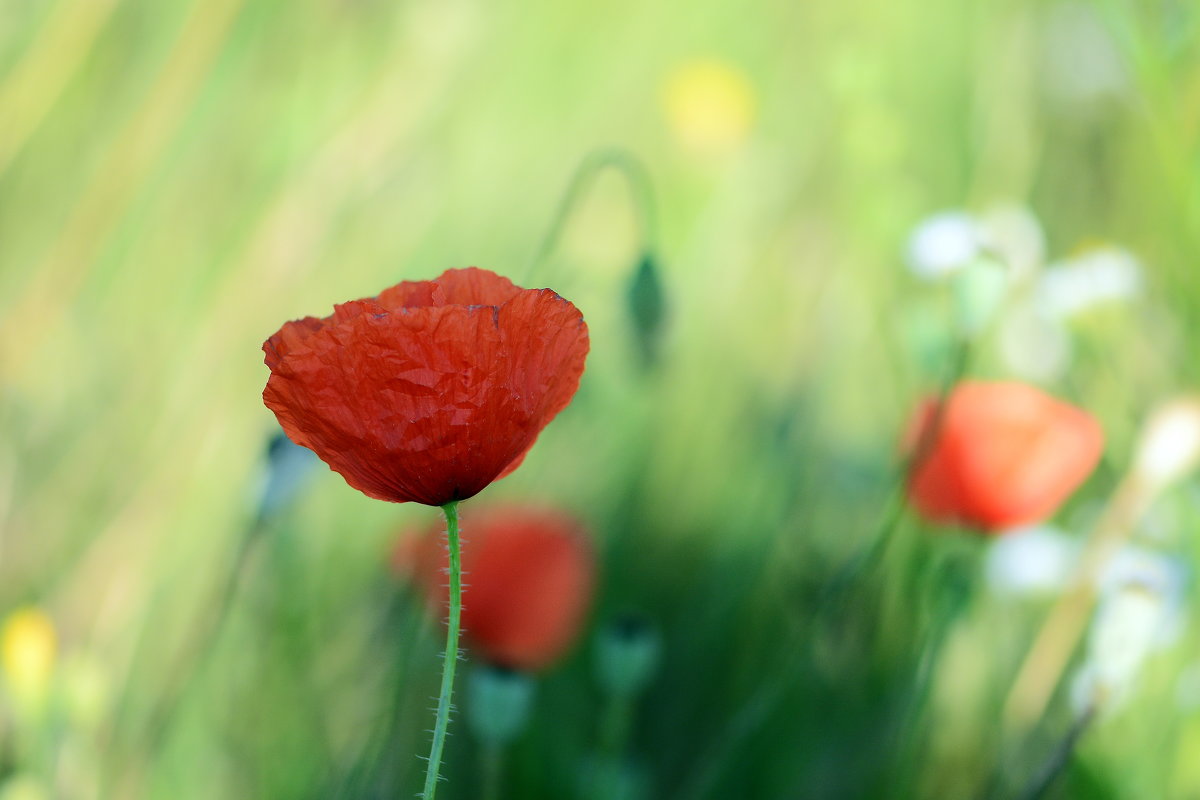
x: 647, y: 307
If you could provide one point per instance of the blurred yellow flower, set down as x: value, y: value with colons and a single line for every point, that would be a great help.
x: 28, y: 645
x: 710, y: 105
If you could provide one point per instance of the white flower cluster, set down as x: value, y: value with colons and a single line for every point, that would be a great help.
x: 1142, y: 607
x: 1038, y: 298
x: 949, y: 241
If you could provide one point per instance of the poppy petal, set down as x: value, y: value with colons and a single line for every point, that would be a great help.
x: 531, y: 580
x: 427, y: 403
x: 474, y: 286
x: 1006, y: 455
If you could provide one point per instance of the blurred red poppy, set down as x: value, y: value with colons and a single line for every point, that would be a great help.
x: 1003, y: 455
x: 529, y: 575
x: 433, y: 389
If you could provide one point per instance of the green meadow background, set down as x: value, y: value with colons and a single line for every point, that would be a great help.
x: 179, y: 178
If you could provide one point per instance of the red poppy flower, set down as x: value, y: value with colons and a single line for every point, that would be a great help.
x: 528, y: 582
x: 433, y: 389
x: 1005, y: 455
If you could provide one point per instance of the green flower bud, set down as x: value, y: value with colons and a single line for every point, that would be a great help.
x: 498, y: 702
x: 647, y: 307
x: 627, y: 653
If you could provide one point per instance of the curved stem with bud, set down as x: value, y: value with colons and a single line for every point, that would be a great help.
x: 631, y: 168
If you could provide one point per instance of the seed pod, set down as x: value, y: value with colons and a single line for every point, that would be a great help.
x: 498, y: 702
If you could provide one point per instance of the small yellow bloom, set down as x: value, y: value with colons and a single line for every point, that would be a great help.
x: 710, y: 105
x: 28, y: 645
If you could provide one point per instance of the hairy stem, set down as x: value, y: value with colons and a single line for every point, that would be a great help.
x: 451, y: 656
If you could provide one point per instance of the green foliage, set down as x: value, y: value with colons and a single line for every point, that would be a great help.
x: 176, y: 179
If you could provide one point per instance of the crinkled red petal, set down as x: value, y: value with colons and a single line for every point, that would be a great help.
x: 427, y: 403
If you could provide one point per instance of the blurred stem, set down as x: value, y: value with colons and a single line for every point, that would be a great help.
x: 618, y: 719
x: 641, y: 189
x: 198, y: 646
x: 951, y: 579
x: 893, y: 512
x: 492, y: 757
x: 958, y: 369
x: 1060, y: 757
x: 1048, y: 657
x: 615, y: 728
x: 398, y: 624
x: 751, y: 716
x: 755, y: 712
x: 450, y: 659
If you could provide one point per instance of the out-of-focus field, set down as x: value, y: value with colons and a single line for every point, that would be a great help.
x: 179, y: 178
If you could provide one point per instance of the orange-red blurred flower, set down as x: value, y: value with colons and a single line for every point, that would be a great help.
x: 433, y: 389
x: 529, y: 575
x: 1002, y: 455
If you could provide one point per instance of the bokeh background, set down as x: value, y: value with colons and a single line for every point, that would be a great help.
x: 188, y: 617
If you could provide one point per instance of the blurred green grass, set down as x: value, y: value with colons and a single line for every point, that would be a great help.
x: 176, y: 179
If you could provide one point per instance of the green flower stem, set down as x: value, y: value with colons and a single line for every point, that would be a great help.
x: 450, y: 661
x: 1060, y: 758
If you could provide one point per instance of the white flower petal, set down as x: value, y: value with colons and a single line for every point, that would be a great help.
x: 1034, y: 560
x: 1103, y: 275
x: 942, y: 244
x: 1014, y: 235
x: 1034, y: 346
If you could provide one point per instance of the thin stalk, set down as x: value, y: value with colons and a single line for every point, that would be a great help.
x: 450, y: 659
x: 751, y: 716
x: 1060, y: 757
x: 492, y: 757
x: 618, y: 720
x: 1047, y: 659
x: 755, y: 712
x: 187, y: 662
x: 636, y: 175
x: 946, y: 611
